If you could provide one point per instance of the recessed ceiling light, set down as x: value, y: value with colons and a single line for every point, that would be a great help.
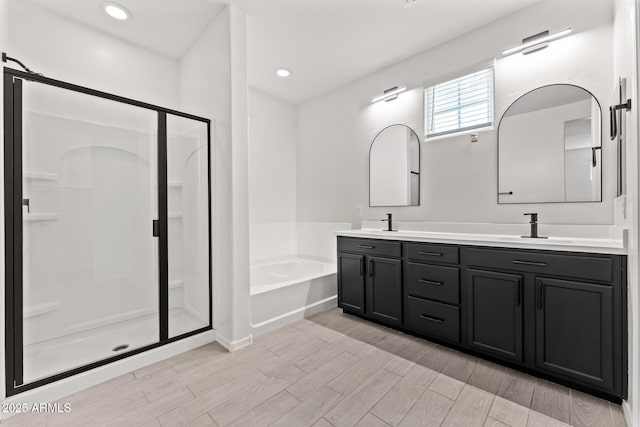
x: 283, y: 72
x: 116, y: 11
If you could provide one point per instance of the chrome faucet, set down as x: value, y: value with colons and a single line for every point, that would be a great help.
x: 534, y: 227
x: 389, y: 221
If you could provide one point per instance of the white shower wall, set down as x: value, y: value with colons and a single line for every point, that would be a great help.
x: 88, y: 260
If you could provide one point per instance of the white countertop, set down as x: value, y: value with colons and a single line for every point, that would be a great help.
x: 569, y: 244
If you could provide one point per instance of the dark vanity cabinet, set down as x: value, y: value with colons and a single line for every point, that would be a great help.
x: 575, y: 330
x: 495, y: 313
x: 370, y: 279
x: 573, y: 322
x: 383, y: 290
x: 432, y: 290
x: 559, y: 315
x: 351, y: 282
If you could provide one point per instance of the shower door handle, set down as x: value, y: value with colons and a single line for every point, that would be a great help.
x: 27, y: 203
x: 156, y: 228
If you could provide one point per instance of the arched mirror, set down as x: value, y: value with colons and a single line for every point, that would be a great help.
x: 394, y: 167
x: 549, y: 147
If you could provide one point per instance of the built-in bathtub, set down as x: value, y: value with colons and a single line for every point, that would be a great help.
x: 286, y: 291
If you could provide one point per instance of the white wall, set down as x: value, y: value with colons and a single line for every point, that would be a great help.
x: 4, y: 47
x: 213, y: 83
x: 272, y: 177
x: 625, y: 64
x: 204, y: 81
x: 67, y: 50
x: 336, y: 130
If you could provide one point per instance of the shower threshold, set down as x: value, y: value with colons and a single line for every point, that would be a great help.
x: 47, y: 358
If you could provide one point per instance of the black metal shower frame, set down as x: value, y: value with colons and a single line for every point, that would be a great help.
x: 13, y: 79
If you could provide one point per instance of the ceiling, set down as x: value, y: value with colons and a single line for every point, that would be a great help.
x: 167, y: 27
x: 326, y: 43
x: 329, y: 43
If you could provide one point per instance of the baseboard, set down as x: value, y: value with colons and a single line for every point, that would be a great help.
x: 236, y: 345
x: 293, y: 316
x: 626, y: 411
x: 58, y: 390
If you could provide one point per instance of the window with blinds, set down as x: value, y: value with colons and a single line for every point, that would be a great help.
x: 461, y: 104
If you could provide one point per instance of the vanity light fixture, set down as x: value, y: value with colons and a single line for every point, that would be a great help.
x: 389, y: 94
x: 283, y: 72
x: 116, y: 11
x: 536, y: 42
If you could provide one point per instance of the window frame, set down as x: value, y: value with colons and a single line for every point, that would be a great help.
x: 490, y: 65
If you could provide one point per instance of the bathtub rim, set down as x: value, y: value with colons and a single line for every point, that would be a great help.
x: 332, y: 269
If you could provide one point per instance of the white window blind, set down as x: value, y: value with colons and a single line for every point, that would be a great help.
x: 461, y: 104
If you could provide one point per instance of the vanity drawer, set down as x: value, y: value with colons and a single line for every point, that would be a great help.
x: 433, y: 318
x: 432, y: 253
x: 433, y: 282
x: 370, y: 246
x: 598, y: 268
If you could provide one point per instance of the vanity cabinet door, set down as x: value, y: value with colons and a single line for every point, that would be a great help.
x: 384, y: 289
x: 574, y: 330
x: 351, y: 282
x: 494, y: 304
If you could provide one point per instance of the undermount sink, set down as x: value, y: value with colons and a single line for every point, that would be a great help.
x: 467, y: 236
x: 593, y: 244
x: 529, y: 239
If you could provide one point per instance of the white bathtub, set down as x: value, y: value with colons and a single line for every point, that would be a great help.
x: 287, y: 291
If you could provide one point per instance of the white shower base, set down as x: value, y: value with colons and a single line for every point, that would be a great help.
x: 58, y: 355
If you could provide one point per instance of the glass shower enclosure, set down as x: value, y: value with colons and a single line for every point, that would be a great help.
x: 107, y: 219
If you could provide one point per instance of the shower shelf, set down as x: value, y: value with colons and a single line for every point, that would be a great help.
x: 40, y: 176
x: 175, y: 215
x: 175, y: 184
x: 40, y: 309
x: 175, y: 284
x: 35, y: 217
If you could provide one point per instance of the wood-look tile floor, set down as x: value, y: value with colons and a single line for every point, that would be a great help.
x: 329, y: 370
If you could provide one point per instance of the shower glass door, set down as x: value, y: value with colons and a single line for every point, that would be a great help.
x: 188, y: 224
x: 107, y: 228
x: 90, y: 262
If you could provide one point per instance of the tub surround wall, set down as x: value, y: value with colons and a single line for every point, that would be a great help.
x: 313, y: 242
x: 459, y: 178
x: 273, y: 241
